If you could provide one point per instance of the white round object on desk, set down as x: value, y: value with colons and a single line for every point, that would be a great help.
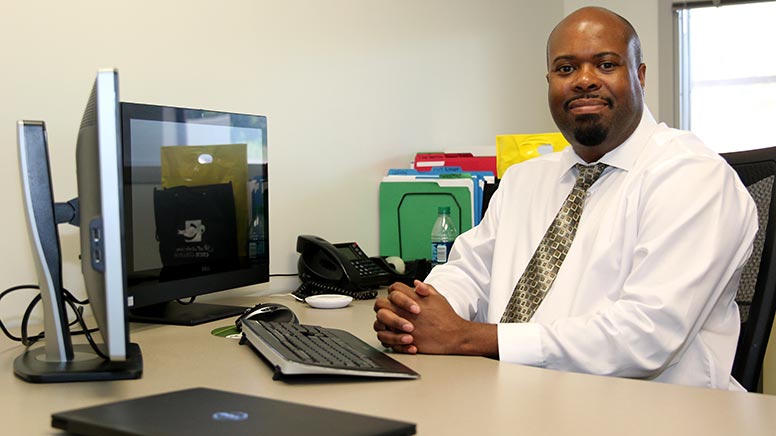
x: 328, y: 301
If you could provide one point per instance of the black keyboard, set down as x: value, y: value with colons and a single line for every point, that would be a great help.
x: 296, y: 349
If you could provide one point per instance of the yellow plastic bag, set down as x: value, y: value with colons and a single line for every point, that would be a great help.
x: 199, y: 165
x: 512, y: 149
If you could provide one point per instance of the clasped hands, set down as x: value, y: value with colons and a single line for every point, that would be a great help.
x: 418, y: 320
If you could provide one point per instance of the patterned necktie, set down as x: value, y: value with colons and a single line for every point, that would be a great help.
x: 545, y: 263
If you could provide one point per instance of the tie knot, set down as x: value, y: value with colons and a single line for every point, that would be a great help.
x: 588, y: 174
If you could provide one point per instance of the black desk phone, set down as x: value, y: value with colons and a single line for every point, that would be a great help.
x: 343, y: 268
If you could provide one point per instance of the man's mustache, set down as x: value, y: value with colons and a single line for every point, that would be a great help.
x: 587, y: 96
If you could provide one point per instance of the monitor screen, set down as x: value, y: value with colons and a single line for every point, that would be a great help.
x: 195, y: 207
x: 98, y: 213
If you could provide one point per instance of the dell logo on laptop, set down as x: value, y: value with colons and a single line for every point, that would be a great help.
x: 230, y: 416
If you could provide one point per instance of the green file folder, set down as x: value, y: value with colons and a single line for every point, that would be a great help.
x: 408, y: 211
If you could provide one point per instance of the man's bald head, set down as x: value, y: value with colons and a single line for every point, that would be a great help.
x: 587, y: 13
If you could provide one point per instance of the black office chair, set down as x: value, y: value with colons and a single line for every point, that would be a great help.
x: 756, y: 296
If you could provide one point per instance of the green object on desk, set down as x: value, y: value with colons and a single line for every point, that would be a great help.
x: 226, y: 331
x: 408, y: 211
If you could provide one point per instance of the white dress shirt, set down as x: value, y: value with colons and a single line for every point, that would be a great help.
x: 647, y: 288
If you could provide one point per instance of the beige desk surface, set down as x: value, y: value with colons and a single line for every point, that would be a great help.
x: 454, y: 396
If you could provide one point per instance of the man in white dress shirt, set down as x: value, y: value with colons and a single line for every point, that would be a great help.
x: 647, y: 287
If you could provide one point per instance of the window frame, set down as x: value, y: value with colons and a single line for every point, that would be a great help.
x: 680, y: 113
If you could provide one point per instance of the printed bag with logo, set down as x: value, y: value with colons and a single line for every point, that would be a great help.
x: 195, y: 224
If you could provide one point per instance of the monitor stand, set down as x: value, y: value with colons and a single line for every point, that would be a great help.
x: 33, y: 366
x: 176, y: 313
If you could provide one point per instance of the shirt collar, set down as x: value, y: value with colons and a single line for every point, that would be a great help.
x: 625, y: 155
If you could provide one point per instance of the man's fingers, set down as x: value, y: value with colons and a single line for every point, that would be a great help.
x: 381, y: 303
x: 391, y: 339
x: 392, y: 321
x: 403, y: 301
x: 396, y: 302
x: 407, y: 349
x: 424, y: 289
x: 394, y: 314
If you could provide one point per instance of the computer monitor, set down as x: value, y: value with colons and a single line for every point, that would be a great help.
x: 195, y: 205
x: 98, y: 213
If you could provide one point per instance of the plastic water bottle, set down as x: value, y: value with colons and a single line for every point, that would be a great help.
x: 442, y: 236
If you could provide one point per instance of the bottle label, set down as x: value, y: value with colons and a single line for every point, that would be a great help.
x: 440, y: 251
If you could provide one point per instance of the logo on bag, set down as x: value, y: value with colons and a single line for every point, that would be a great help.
x: 192, y: 231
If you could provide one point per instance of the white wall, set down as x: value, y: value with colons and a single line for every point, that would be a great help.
x: 350, y: 87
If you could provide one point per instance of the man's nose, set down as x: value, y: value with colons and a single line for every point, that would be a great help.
x: 587, y: 79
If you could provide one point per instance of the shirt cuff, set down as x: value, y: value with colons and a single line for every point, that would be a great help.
x: 520, y: 343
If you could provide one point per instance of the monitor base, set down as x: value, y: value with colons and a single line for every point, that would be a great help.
x: 175, y: 313
x: 33, y: 367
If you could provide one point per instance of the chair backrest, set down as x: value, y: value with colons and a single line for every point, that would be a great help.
x: 756, y: 296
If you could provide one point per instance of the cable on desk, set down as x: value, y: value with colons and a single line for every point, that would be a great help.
x: 76, y: 306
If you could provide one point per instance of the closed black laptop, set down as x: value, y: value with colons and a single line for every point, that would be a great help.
x: 203, y: 411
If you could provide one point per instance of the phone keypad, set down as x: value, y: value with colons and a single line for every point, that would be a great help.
x: 367, y: 267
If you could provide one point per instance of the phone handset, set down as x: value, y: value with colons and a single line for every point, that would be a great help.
x: 343, y: 268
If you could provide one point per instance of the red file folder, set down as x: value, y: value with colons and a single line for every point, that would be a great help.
x: 467, y: 161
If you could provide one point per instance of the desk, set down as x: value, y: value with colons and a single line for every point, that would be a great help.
x: 455, y: 395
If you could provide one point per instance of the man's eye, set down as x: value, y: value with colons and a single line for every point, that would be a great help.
x: 607, y: 65
x: 564, y: 69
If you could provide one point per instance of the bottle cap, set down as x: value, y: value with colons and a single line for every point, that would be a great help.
x: 444, y: 210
